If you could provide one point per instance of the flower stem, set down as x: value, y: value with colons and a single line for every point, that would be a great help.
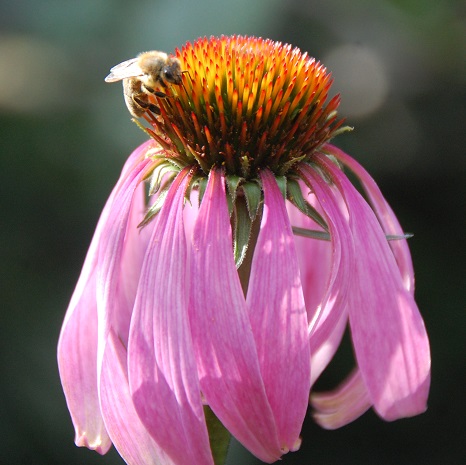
x: 219, y: 437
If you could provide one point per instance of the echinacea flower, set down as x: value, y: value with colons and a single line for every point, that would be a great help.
x: 226, y: 264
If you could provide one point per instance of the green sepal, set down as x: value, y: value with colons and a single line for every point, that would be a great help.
x: 233, y: 182
x: 219, y: 437
x: 316, y: 216
x: 398, y: 237
x: 158, y: 175
x: 231, y: 206
x: 318, y: 169
x: 311, y: 233
x: 282, y: 181
x: 325, y: 236
x: 191, y: 186
x: 295, y: 196
x: 155, y: 208
x: 202, y: 188
x: 242, y: 230
x: 253, y: 194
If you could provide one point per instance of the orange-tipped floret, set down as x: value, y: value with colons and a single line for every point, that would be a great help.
x: 246, y: 103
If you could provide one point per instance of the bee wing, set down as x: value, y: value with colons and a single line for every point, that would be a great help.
x: 126, y: 69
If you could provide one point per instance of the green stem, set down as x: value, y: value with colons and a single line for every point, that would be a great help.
x: 219, y: 437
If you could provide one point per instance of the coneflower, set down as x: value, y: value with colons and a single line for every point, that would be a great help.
x: 228, y: 260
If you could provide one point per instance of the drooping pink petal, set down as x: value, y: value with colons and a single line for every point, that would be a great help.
x: 343, y: 405
x: 278, y: 317
x: 385, y: 214
x: 77, y: 362
x: 77, y: 346
x: 162, y: 368
x: 114, y: 310
x: 389, y: 337
x: 138, y: 155
x: 226, y: 353
x: 330, y: 320
x: 315, y: 257
x: 124, y: 426
x: 135, y: 243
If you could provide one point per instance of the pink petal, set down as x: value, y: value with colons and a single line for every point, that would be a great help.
x: 136, y: 240
x: 77, y: 362
x: 77, y: 346
x: 114, y: 309
x: 162, y: 368
x: 385, y: 214
x: 128, y: 434
x: 315, y: 258
x: 389, y: 337
x: 278, y: 317
x: 226, y: 353
x: 138, y: 155
x: 343, y: 405
x: 330, y: 321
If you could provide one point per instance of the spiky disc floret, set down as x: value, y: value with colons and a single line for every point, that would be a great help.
x: 245, y: 103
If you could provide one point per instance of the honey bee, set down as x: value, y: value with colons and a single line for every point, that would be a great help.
x: 141, y: 77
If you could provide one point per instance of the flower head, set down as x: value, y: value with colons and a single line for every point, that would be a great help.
x: 246, y: 104
x: 206, y: 283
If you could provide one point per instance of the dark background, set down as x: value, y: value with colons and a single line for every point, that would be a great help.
x: 64, y: 135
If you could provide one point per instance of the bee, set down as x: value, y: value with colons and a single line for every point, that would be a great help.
x: 141, y: 77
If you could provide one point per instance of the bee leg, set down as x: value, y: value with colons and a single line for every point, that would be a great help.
x: 160, y: 94
x: 145, y: 105
x: 154, y: 109
x: 157, y: 93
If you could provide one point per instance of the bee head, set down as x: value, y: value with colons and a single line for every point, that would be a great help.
x: 172, y: 71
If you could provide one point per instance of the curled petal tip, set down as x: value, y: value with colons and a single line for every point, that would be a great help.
x: 297, y: 445
x: 99, y: 444
x: 343, y: 405
x: 410, y: 406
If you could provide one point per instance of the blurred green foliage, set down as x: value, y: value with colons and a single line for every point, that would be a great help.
x: 64, y: 135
